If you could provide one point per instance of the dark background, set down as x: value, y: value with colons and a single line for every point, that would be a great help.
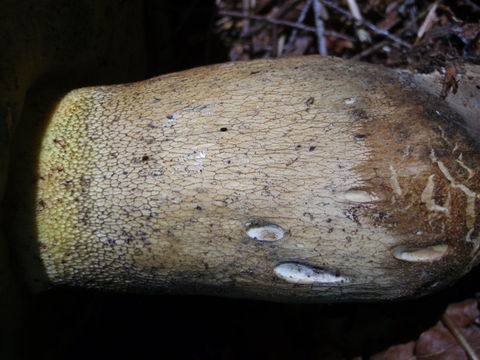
x: 82, y: 324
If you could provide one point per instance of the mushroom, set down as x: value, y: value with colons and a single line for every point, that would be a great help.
x: 299, y: 179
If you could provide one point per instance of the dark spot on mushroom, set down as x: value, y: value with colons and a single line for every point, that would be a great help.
x: 311, y: 217
x: 311, y: 148
x: 85, y: 220
x: 360, y: 137
x: 145, y: 158
x: 223, y: 129
x: 58, y: 142
x: 359, y: 114
x: 379, y: 218
x: 84, y: 181
x: 198, y: 207
x: 310, y: 101
x: 255, y: 72
x: 155, y: 99
x: 41, y: 204
x: 170, y: 117
x: 149, y: 140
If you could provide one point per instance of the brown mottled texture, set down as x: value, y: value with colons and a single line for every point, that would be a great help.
x: 153, y: 185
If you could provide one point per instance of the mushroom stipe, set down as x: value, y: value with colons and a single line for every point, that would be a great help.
x: 310, y: 179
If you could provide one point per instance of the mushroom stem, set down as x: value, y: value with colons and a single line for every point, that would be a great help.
x: 300, y: 179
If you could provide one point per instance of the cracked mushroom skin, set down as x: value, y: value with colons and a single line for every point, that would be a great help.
x: 301, y: 179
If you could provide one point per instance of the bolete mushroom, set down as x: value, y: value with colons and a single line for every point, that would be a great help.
x: 300, y: 179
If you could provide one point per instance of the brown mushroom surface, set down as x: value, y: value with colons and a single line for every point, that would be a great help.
x: 300, y: 179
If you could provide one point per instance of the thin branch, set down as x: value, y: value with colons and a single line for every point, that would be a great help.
x: 474, y: 6
x: 370, y: 50
x: 275, y: 50
x: 450, y: 325
x: 276, y: 13
x: 320, y: 26
x: 246, y: 20
x: 284, y: 23
x: 284, y: 9
x: 354, y: 9
x: 366, y: 23
x: 428, y: 20
x: 362, y: 34
x: 381, y: 44
x: 301, y: 19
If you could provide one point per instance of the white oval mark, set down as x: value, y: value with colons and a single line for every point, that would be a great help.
x: 360, y: 196
x: 350, y: 101
x: 302, y: 274
x: 428, y: 253
x: 269, y: 232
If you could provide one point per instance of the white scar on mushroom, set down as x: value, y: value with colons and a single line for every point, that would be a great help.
x: 470, y: 215
x: 427, y: 197
x: 360, y: 196
x: 296, y: 273
x: 269, y: 232
x: 470, y: 171
x: 425, y: 254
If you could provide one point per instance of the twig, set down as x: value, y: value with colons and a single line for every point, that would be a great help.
x: 367, y: 24
x: 370, y: 50
x: 362, y: 34
x: 449, y: 324
x: 379, y: 45
x: 352, y: 4
x: 428, y: 20
x: 246, y: 20
x: 474, y: 6
x: 284, y: 23
x: 320, y: 26
x: 301, y: 19
x: 275, y: 14
x: 275, y: 49
x: 284, y: 9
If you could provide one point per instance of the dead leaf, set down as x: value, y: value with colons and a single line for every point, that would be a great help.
x: 398, y: 352
x: 438, y: 342
x: 464, y: 313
